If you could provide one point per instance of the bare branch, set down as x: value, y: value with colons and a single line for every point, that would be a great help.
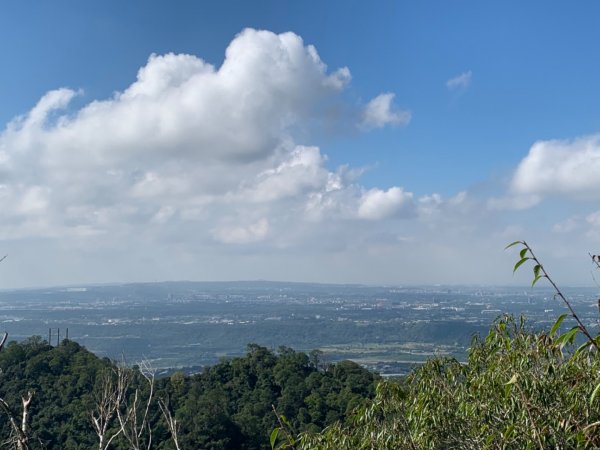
x: 171, y: 422
x: 26, y: 401
x: 107, y: 404
x: 17, y: 432
x: 20, y: 437
x: 3, y: 341
x: 133, y: 420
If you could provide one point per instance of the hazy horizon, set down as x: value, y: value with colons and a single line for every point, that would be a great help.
x: 525, y: 287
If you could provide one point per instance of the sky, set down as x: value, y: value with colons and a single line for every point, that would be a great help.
x: 347, y: 142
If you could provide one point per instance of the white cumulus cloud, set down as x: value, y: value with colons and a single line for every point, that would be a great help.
x: 183, y: 137
x: 380, y: 112
x: 377, y: 204
x: 560, y: 167
x: 303, y: 171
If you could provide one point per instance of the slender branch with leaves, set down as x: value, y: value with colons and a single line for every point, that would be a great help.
x: 284, y: 433
x: 526, y: 254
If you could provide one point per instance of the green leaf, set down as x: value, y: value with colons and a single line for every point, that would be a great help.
x: 557, y: 323
x: 513, y: 380
x: 273, y: 437
x: 512, y: 244
x: 535, y: 280
x: 595, y: 393
x: 567, y: 337
x: 285, y: 421
x: 519, y: 263
x: 536, y: 274
x: 582, y: 347
x: 523, y: 252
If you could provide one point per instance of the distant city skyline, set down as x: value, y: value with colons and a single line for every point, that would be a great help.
x: 344, y: 142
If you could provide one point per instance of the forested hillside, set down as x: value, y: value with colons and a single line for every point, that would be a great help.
x: 518, y: 390
x: 228, y: 406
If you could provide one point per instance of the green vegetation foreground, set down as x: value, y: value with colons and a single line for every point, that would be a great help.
x: 518, y: 390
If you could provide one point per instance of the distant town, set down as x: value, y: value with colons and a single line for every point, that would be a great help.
x: 187, y: 325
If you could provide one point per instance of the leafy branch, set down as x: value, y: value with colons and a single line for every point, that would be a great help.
x: 288, y: 433
x: 526, y: 254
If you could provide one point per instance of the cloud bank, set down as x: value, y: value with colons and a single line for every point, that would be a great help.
x: 194, y: 158
x: 203, y: 172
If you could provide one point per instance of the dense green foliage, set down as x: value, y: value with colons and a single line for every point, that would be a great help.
x: 230, y: 404
x: 63, y: 380
x: 519, y: 389
x: 227, y: 406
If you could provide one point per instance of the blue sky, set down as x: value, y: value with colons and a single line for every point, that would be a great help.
x: 408, y: 144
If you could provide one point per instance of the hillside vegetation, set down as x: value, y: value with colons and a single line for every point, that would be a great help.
x: 520, y: 389
x: 227, y: 406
